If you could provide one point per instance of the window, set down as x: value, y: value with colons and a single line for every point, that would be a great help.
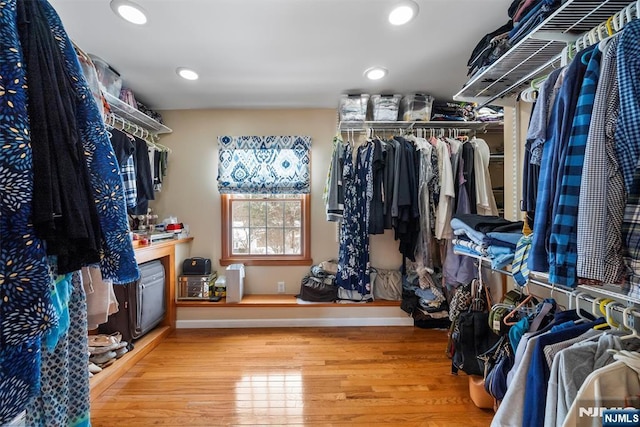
x: 265, y: 229
x: 264, y: 183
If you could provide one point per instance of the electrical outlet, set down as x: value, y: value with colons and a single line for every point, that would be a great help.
x: 281, y: 288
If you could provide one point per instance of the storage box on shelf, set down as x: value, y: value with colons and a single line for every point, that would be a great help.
x: 108, y: 78
x: 353, y: 108
x: 417, y: 107
x: 385, y: 107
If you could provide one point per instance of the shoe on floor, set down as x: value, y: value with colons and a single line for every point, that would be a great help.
x: 121, y: 352
x: 99, y: 349
x: 102, y: 340
x: 93, y: 368
x: 102, y: 358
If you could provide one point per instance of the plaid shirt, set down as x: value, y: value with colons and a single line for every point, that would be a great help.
x: 628, y: 131
x: 553, y: 154
x: 599, y: 224
x: 563, y: 250
x: 627, y: 137
x: 128, y: 173
x: 631, y: 236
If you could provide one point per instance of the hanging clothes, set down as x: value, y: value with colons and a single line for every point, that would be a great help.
x: 63, y: 399
x: 334, y: 196
x: 553, y: 158
x: 376, y: 216
x: 407, y: 225
x: 144, y: 178
x: 485, y: 200
x: 427, y: 174
x: 63, y: 210
x: 124, y: 148
x: 26, y: 312
x: 563, y: 254
x: 600, y: 224
x: 353, y: 260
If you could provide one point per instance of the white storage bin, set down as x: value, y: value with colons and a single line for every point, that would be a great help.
x: 234, y: 275
x: 385, y: 107
x: 353, y: 108
x: 109, y: 79
x: 417, y: 108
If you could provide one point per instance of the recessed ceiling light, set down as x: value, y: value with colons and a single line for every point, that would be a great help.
x: 375, y: 73
x: 187, y: 73
x: 403, y: 12
x: 129, y: 11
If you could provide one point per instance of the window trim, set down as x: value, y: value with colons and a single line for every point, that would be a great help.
x: 266, y: 260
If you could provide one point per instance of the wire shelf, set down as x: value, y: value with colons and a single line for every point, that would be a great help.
x: 380, y: 125
x: 135, y: 116
x: 538, y: 52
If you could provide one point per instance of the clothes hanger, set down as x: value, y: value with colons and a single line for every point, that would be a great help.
x: 626, y: 315
x: 581, y: 318
x: 513, y: 312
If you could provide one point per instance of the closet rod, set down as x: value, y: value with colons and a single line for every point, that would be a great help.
x: 123, y: 124
x: 584, y: 295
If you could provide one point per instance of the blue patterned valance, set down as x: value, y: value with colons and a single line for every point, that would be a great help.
x: 263, y: 164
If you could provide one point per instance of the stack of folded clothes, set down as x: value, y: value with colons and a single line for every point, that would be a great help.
x: 453, y: 111
x: 525, y: 16
x: 490, y: 114
x: 491, y: 237
x: 528, y: 15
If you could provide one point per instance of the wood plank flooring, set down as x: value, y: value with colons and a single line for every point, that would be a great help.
x: 374, y: 376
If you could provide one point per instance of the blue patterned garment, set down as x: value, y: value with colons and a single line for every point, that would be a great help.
x: 118, y: 261
x: 26, y: 312
x: 628, y: 131
x: 64, y: 394
x: 353, y: 259
x: 264, y: 164
x: 563, y: 243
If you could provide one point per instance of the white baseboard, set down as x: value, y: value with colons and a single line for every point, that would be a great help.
x: 286, y: 323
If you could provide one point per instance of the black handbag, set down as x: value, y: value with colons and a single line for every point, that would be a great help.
x: 196, y: 267
x: 473, y: 337
x: 498, y: 361
x: 315, y: 289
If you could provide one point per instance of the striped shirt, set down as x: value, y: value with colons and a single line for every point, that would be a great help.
x: 553, y: 153
x: 563, y: 250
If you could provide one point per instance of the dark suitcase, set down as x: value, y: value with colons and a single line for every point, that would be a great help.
x: 196, y: 267
x: 141, y: 304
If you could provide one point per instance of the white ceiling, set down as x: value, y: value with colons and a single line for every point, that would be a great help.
x: 281, y: 53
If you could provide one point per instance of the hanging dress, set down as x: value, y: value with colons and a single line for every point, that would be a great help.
x: 25, y: 309
x: 353, y: 259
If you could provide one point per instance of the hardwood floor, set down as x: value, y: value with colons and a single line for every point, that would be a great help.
x: 374, y: 376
